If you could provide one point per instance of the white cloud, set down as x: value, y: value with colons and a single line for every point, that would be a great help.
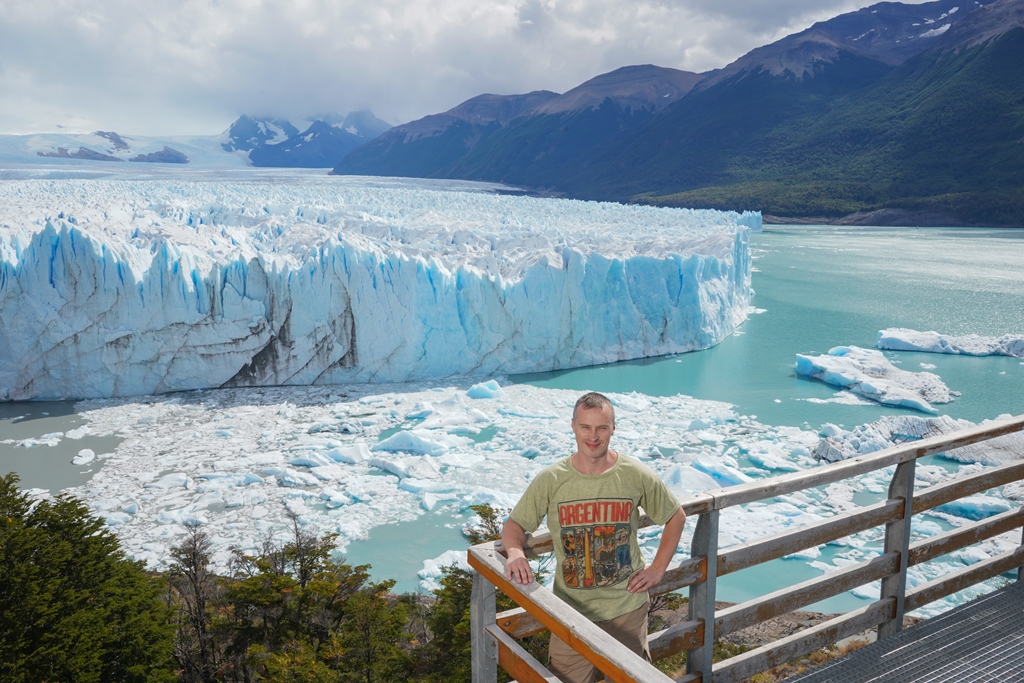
x: 191, y: 66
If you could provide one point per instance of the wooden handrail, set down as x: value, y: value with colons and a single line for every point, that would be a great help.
x: 541, y: 610
x: 611, y: 657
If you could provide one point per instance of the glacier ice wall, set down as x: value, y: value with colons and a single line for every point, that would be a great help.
x: 117, y: 287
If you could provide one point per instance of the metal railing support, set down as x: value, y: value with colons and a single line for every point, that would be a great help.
x: 897, y: 538
x: 481, y: 615
x: 702, y: 595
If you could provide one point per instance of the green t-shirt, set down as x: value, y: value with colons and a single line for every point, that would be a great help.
x: 593, y: 520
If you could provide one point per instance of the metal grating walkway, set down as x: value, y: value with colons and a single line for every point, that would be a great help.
x: 981, y: 642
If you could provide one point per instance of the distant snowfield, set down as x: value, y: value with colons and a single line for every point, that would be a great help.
x: 113, y: 287
x: 200, y: 150
x: 346, y: 460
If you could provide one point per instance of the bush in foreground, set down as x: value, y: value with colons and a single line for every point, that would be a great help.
x: 73, y: 608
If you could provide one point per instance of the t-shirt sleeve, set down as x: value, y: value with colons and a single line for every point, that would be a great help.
x: 658, y: 502
x: 529, y: 512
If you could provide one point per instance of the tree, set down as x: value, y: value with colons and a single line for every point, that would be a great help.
x: 368, y: 644
x: 190, y: 576
x: 73, y: 608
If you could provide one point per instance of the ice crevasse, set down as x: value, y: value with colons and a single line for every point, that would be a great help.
x: 114, y: 288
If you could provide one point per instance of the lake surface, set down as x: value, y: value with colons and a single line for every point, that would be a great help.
x: 818, y: 287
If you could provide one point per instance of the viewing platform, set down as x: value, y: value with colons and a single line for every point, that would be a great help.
x: 982, y: 640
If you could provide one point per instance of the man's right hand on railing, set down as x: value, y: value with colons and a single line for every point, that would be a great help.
x: 518, y: 567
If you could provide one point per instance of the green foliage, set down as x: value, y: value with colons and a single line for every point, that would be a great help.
x: 369, y: 641
x: 447, y: 656
x: 72, y: 607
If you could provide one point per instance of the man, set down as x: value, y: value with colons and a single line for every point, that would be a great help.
x: 591, y: 500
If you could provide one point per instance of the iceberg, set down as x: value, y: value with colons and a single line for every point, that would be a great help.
x: 838, y: 444
x: 116, y: 287
x: 902, y: 339
x: 869, y: 374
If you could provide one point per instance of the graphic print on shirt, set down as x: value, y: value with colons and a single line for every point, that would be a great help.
x: 595, y: 539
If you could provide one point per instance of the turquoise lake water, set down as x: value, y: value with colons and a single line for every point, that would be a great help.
x: 819, y: 287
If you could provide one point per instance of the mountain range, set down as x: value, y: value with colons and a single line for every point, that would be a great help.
x: 895, y: 113
x: 321, y: 142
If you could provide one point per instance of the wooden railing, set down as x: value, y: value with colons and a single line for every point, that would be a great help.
x: 494, y: 635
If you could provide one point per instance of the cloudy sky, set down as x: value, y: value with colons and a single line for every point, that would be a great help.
x: 192, y: 66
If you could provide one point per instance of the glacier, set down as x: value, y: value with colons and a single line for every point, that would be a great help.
x: 902, y: 339
x: 869, y: 374
x: 115, y: 286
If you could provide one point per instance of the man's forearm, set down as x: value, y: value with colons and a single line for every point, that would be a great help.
x: 517, y: 568
x: 669, y: 540
x: 512, y: 539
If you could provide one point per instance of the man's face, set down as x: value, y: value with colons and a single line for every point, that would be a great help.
x: 593, y: 428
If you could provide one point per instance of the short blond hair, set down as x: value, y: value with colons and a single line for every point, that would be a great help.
x: 593, y: 401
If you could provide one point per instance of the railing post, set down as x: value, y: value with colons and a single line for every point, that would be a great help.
x: 482, y: 615
x: 897, y: 539
x: 1020, y: 569
x: 702, y: 595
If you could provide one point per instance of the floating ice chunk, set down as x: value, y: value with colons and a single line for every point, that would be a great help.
x: 297, y: 507
x: 416, y: 441
x: 771, y: 456
x: 413, y: 485
x: 51, y: 439
x: 208, y: 500
x: 451, y: 413
x: 432, y: 568
x: 632, y: 403
x: 311, y: 460
x: 839, y: 444
x: 115, y: 518
x: 927, y: 528
x: 805, y: 554
x: 449, y: 558
x: 420, y: 410
x: 869, y: 374
x: 169, y: 481
x: 720, y: 472
x: 290, y: 478
x: 975, y: 507
x: 488, y: 389
x: 902, y: 339
x: 1014, y: 491
x: 329, y: 473
x: 394, y: 467
x: 335, y: 498
x: 84, y: 457
x: 520, y: 411
x: 353, y: 455
x: 181, y: 516
x: 971, y: 555
x: 686, y: 479
x: 77, y: 433
x: 482, y: 495
x: 217, y: 481
x: 430, y: 499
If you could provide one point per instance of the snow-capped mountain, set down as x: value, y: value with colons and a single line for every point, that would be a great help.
x: 320, y: 143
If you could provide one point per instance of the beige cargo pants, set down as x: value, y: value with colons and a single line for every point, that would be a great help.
x: 630, y: 629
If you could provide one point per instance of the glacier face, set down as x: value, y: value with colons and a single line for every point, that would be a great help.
x: 114, y: 287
